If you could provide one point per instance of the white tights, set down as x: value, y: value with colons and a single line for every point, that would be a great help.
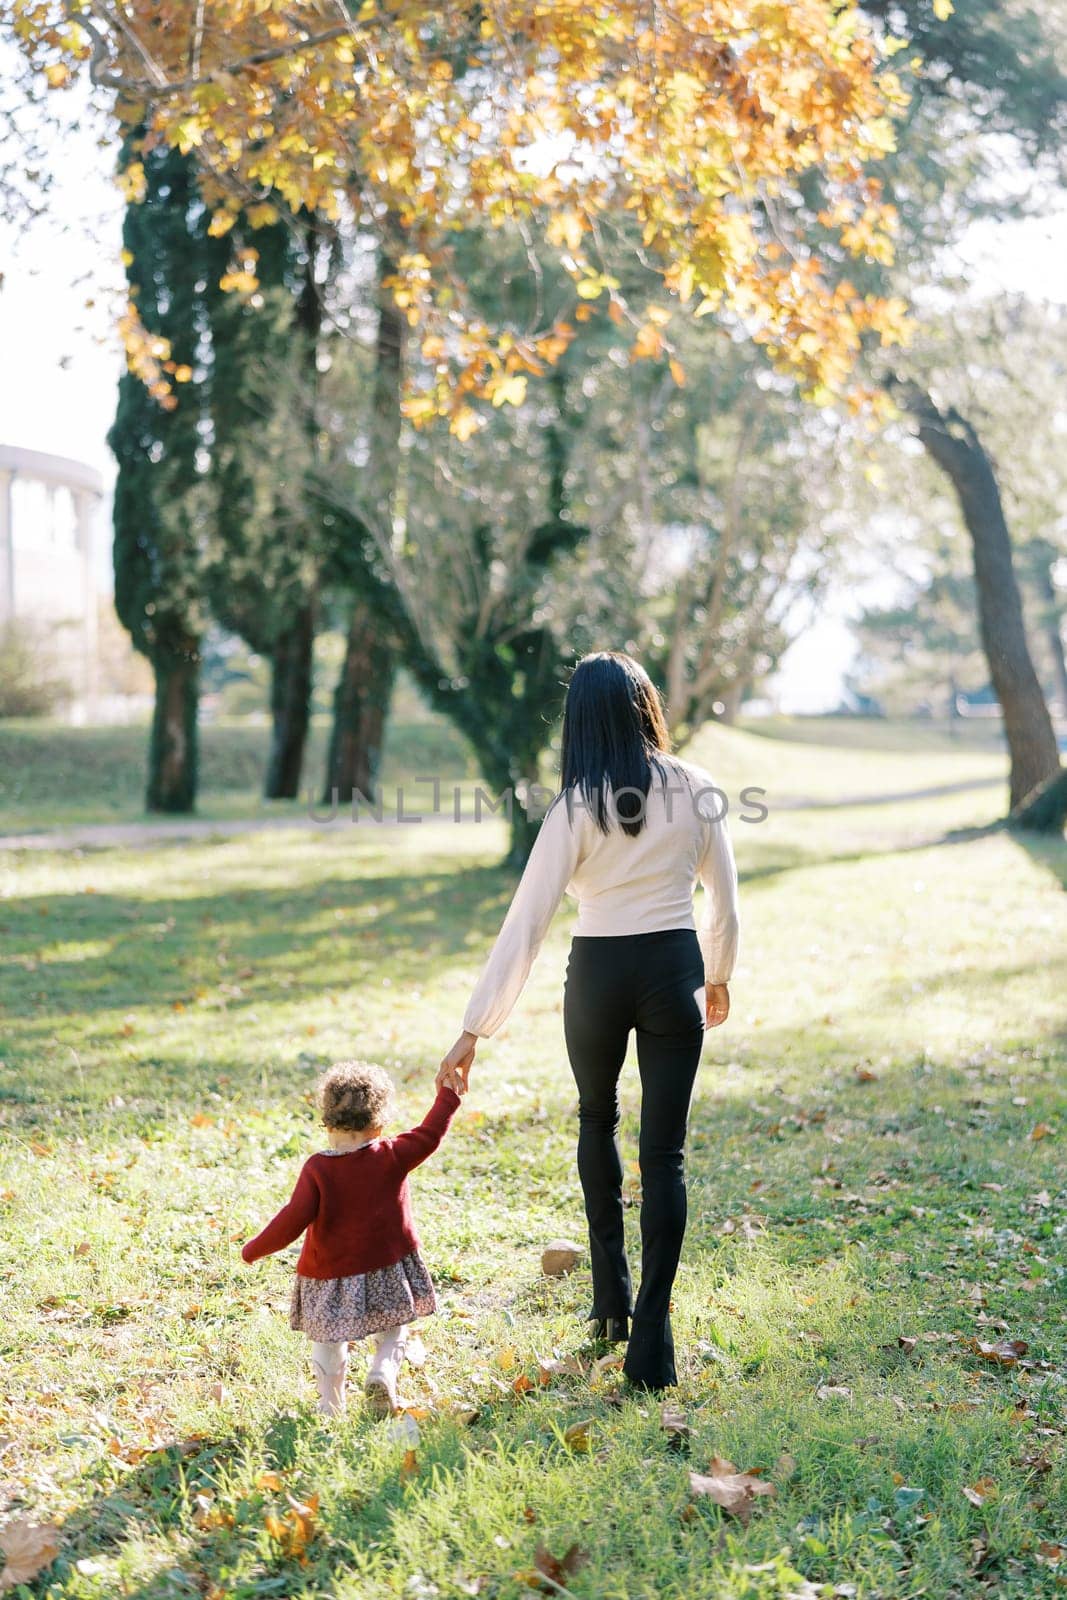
x: 330, y: 1362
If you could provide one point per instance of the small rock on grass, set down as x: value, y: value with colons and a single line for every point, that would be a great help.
x: 560, y: 1257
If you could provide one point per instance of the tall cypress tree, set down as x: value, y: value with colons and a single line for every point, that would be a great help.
x: 268, y: 540
x: 158, y: 497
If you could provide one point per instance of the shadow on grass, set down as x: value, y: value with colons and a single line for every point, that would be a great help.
x: 212, y: 1499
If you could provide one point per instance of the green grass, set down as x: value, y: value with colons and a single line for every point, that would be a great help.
x: 56, y: 776
x: 898, y: 1034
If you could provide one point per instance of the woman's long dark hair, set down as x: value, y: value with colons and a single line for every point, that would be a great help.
x: 613, y: 730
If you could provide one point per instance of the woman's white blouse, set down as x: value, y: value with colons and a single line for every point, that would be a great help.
x: 623, y: 884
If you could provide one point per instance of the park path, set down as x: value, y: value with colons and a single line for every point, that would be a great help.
x: 179, y: 830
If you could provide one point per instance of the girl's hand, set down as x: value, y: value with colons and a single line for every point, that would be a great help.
x: 716, y: 1004
x: 455, y: 1070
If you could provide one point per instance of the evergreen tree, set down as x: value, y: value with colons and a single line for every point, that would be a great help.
x: 268, y: 543
x: 158, y: 503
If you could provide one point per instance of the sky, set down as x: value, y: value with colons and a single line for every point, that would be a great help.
x: 60, y: 358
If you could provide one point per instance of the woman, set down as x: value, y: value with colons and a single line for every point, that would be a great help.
x: 630, y: 832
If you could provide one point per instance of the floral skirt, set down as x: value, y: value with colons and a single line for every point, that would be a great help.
x: 330, y: 1310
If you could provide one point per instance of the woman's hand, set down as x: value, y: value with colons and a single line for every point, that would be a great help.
x: 716, y: 1004
x: 455, y: 1070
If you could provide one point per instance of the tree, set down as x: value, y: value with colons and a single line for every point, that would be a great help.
x: 268, y: 545
x: 365, y: 683
x: 156, y: 437
x: 984, y: 135
x: 698, y: 123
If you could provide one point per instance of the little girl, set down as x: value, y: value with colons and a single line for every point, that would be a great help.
x: 360, y: 1271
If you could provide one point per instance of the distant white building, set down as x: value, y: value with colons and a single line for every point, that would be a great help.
x: 48, y: 511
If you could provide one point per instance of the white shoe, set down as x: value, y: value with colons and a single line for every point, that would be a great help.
x: 380, y: 1394
x: 330, y: 1383
x: 380, y: 1387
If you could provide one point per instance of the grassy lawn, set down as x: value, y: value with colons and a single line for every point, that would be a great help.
x: 877, y: 1187
x: 55, y: 776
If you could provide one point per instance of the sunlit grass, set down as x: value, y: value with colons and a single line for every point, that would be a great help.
x: 862, y: 1168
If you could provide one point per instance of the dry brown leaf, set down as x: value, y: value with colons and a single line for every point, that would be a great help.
x: 28, y: 1547
x: 1049, y: 1554
x: 569, y: 1367
x: 523, y: 1384
x: 906, y: 1343
x: 409, y: 1467
x: 865, y: 1075
x: 785, y: 1467
x: 269, y: 1480
x: 735, y: 1492
x: 1042, y: 1130
x: 1004, y: 1352
x: 676, y: 1428
x: 978, y: 1493
x: 551, y: 1572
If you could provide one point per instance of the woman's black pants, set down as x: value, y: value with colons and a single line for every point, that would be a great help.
x: 652, y: 983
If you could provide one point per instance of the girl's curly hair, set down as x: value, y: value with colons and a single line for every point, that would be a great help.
x: 355, y: 1095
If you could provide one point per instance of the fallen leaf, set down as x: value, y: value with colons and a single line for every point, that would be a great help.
x: 1049, y: 1554
x: 1004, y: 1352
x: 865, y: 1075
x: 833, y: 1391
x: 735, y: 1492
x: 785, y: 1467
x: 576, y: 1437
x: 28, y: 1548
x: 676, y: 1428
x: 978, y: 1493
x: 569, y: 1367
x: 906, y: 1343
x: 409, y: 1467
x: 555, y: 1569
x: 404, y: 1430
x: 523, y: 1384
x: 1042, y: 1130
x: 506, y: 1358
x: 269, y: 1480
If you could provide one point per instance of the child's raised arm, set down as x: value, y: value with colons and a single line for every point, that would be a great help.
x: 413, y: 1147
x: 290, y: 1222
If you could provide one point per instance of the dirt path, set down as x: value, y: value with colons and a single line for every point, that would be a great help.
x: 178, y: 830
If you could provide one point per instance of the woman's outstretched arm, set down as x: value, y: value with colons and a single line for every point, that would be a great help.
x: 550, y: 867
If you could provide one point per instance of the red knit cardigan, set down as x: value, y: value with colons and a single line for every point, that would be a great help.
x: 356, y: 1207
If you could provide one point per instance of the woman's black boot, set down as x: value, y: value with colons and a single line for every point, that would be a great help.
x: 609, y: 1330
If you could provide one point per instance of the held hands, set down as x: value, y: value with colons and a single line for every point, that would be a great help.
x: 717, y: 1004
x: 454, y: 1071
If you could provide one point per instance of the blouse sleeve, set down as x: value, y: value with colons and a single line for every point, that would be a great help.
x: 718, y: 926
x: 549, y: 868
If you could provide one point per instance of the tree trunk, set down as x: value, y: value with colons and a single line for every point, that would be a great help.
x: 290, y: 705
x: 1046, y: 810
x: 172, y: 751
x: 361, y: 699
x: 731, y: 697
x: 360, y: 706
x: 954, y: 444
x: 1053, y: 636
